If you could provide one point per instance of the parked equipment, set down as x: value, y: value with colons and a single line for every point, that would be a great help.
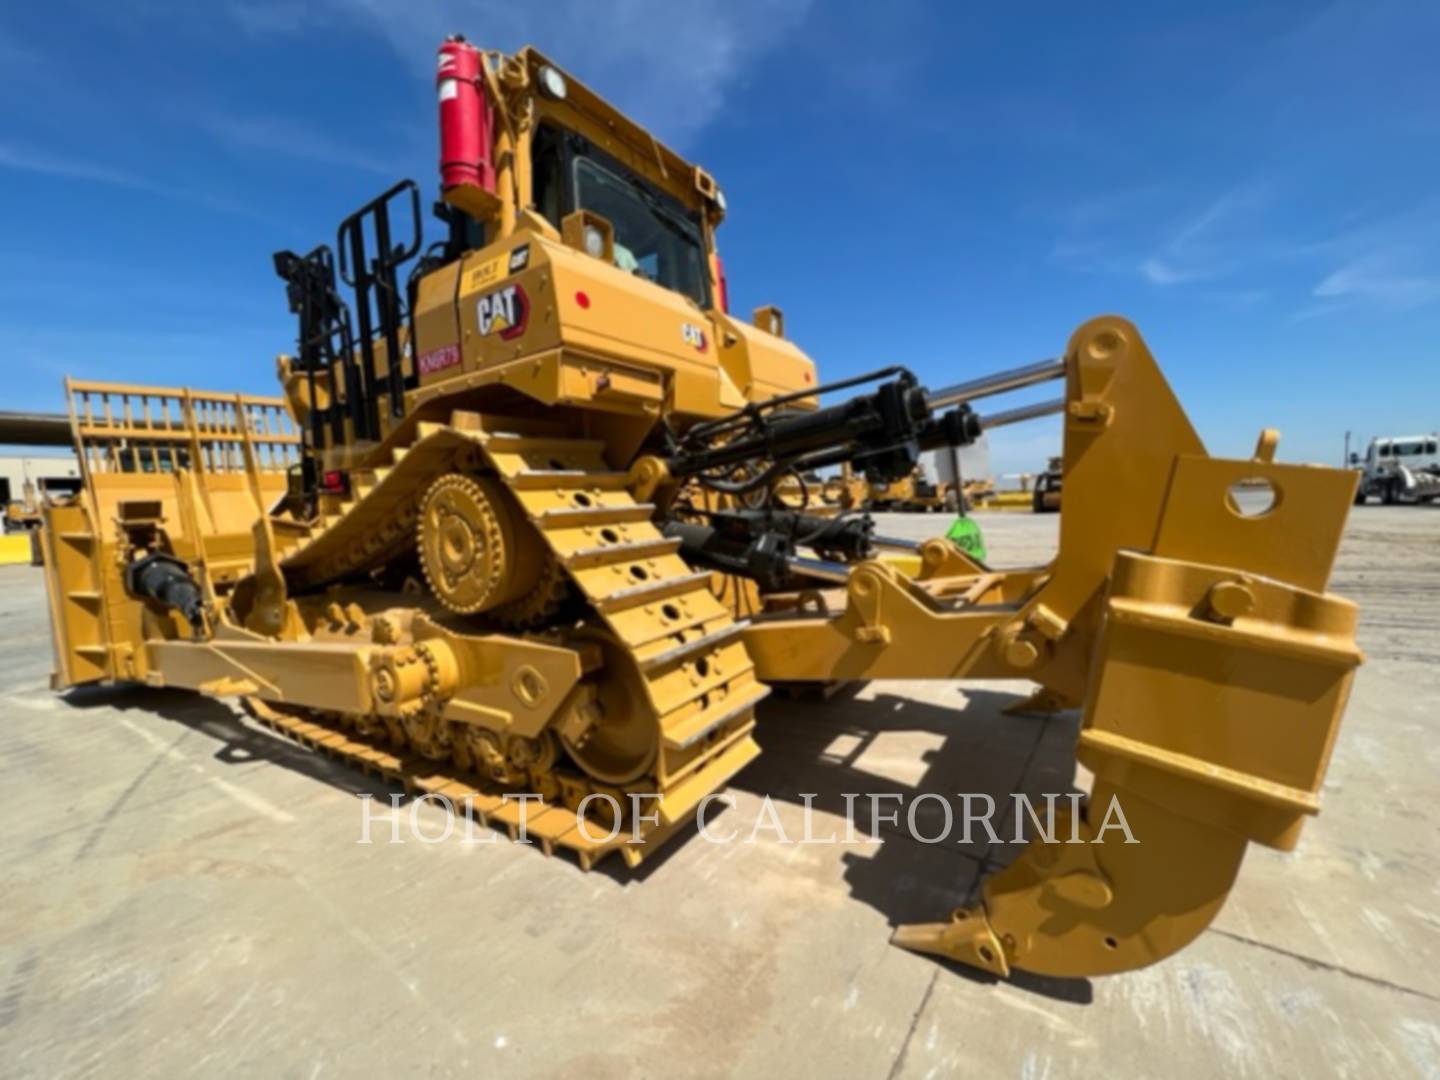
x: 972, y: 494
x: 1403, y: 468
x: 21, y: 516
x: 1045, y: 495
x: 511, y: 529
x: 846, y: 490
x: 917, y: 493
x: 24, y: 514
x: 914, y: 491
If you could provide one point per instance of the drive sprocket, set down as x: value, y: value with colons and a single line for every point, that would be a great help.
x: 479, y: 554
x: 547, y: 599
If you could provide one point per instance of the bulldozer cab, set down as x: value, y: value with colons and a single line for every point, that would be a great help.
x: 540, y: 154
x: 550, y: 147
x: 654, y: 235
x: 551, y: 201
x: 575, y: 168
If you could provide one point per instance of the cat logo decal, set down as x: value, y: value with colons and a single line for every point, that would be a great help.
x: 504, y: 312
x: 693, y: 336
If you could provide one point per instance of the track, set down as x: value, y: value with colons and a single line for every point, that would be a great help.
x: 551, y: 825
x: 677, y: 691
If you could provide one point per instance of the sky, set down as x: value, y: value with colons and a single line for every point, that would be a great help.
x: 954, y: 187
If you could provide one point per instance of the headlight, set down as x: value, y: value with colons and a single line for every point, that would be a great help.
x: 552, y: 83
x: 594, y: 242
x: 720, y: 200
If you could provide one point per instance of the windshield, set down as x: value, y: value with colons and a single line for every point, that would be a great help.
x: 654, y: 238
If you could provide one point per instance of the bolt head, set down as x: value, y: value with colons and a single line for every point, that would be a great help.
x: 1022, y: 653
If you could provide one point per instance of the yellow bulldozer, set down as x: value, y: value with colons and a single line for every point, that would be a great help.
x: 911, y: 492
x: 1045, y: 495
x: 511, y: 529
x: 917, y: 493
x: 845, y: 490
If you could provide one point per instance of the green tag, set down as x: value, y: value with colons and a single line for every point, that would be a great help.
x: 966, y: 533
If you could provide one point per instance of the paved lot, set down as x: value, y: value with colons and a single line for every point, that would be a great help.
x: 184, y: 894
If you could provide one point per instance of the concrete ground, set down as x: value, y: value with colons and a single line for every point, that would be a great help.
x: 184, y: 894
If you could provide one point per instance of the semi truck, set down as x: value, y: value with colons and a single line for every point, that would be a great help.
x: 1399, y: 468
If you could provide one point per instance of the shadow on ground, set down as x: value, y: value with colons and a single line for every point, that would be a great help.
x: 816, y: 752
x: 240, y: 743
x: 970, y: 748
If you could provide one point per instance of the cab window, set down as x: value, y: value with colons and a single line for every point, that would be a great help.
x: 653, y: 238
x: 657, y: 237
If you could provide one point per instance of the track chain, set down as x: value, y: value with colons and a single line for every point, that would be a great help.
x: 552, y: 823
x: 686, y: 649
x: 684, y: 642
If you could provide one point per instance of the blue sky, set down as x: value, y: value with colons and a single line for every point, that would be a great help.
x: 950, y: 186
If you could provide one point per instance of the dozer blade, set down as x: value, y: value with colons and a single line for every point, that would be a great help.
x: 1209, y: 724
x: 1190, y: 624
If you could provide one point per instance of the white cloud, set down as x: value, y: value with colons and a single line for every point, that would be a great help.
x: 1213, y: 242
x: 1139, y: 232
x: 44, y: 163
x: 667, y: 64
x: 1236, y: 200
x: 1320, y: 311
x: 1382, y: 278
x: 29, y: 159
x: 1160, y: 272
x: 260, y: 17
x: 272, y: 135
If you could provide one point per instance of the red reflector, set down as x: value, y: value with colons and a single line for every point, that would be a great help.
x: 334, y: 480
x: 582, y: 299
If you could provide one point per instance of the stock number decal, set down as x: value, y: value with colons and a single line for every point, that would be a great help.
x: 447, y: 356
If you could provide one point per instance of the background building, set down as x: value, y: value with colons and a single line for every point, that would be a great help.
x: 54, y: 474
